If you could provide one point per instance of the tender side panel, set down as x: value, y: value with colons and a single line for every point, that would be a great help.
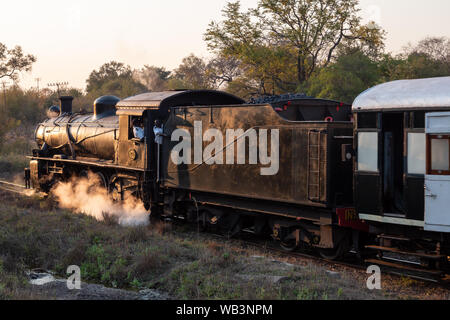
x: 305, y: 170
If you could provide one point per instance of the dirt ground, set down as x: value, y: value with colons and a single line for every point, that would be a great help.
x: 57, y: 289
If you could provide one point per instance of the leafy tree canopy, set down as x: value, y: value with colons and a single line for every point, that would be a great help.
x: 192, y: 73
x: 113, y: 78
x: 153, y: 78
x: 345, y: 79
x: 13, y: 61
x: 107, y: 72
x: 282, y: 43
x: 429, y: 58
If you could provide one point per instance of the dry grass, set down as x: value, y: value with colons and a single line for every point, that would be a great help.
x: 162, y: 227
x: 110, y: 219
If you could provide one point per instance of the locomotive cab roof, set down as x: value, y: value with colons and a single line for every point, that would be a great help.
x: 163, y: 101
x: 400, y: 95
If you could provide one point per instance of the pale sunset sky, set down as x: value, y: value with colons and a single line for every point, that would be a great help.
x: 72, y: 38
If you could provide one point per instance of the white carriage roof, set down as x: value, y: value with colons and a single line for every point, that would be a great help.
x: 405, y: 94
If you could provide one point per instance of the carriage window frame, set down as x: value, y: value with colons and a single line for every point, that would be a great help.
x: 431, y: 137
x: 407, y: 136
x: 367, y: 120
x: 376, y: 132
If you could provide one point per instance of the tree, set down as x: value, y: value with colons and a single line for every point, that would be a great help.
x: 113, y: 78
x: 109, y: 71
x: 192, y: 73
x: 25, y: 106
x: 429, y: 58
x: 120, y: 87
x: 282, y: 43
x: 435, y: 48
x: 242, y: 37
x: 344, y: 80
x: 223, y: 70
x: 13, y: 61
x: 24, y: 109
x: 154, y: 78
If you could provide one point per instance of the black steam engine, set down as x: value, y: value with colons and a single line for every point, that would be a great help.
x: 283, y: 167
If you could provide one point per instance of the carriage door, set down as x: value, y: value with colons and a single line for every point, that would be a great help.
x: 368, y: 183
x: 437, y: 180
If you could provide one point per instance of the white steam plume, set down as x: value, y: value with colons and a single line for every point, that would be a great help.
x: 87, y: 196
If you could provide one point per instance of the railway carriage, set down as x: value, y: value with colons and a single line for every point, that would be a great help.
x: 402, y: 168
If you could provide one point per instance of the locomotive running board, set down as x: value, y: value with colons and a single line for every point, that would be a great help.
x: 87, y: 162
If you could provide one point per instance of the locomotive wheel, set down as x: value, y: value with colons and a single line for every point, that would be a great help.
x: 334, y: 253
x: 98, y: 177
x: 102, y: 179
x: 289, y: 245
x: 287, y: 239
x: 114, y: 189
x: 202, y: 220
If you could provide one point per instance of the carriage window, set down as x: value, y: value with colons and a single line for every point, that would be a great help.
x: 418, y: 119
x: 440, y: 152
x: 368, y: 151
x: 416, y: 153
x: 367, y: 120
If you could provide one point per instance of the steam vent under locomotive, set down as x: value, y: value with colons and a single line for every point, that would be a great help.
x: 305, y: 200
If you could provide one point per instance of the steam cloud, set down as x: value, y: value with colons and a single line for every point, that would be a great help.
x: 87, y: 196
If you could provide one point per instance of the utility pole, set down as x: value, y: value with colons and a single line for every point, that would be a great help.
x: 58, y: 85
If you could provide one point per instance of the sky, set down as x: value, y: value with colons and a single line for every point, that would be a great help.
x: 72, y: 38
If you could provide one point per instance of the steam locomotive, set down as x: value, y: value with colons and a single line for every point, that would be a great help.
x: 310, y: 172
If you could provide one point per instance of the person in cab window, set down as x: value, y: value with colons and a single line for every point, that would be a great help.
x: 158, y: 130
x: 138, y: 129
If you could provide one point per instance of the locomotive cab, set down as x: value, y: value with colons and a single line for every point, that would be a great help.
x: 132, y: 151
x: 149, y: 108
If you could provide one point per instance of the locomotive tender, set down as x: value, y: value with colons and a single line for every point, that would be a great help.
x: 306, y: 199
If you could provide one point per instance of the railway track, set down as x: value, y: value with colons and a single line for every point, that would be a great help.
x: 350, y: 260
x: 13, y: 187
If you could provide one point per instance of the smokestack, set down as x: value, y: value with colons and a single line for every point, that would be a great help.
x: 66, y: 104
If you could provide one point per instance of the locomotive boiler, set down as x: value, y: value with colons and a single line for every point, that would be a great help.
x: 87, y: 135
